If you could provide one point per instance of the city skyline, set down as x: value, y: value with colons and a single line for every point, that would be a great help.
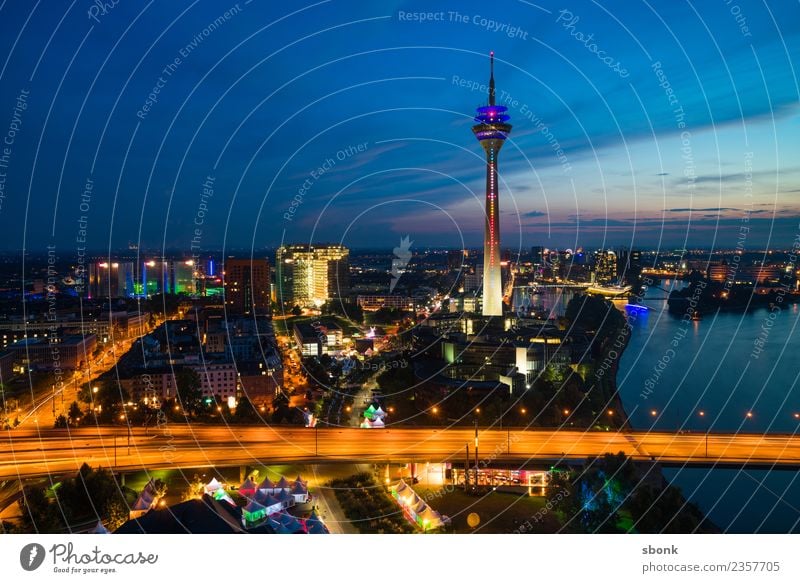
x: 670, y: 145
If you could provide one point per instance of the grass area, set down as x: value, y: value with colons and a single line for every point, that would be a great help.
x: 499, y: 512
x: 368, y: 506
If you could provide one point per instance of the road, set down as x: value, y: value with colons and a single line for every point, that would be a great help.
x: 49, y: 404
x: 29, y: 453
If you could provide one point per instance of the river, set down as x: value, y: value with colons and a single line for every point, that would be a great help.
x: 709, y: 375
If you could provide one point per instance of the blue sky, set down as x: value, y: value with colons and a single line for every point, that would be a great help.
x: 360, y: 113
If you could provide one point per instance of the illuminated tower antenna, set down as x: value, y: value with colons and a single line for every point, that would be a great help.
x: 491, y: 130
x: 491, y: 78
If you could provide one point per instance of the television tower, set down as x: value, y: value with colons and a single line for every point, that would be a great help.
x: 491, y: 130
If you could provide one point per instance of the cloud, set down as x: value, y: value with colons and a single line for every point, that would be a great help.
x: 699, y: 210
x: 534, y: 214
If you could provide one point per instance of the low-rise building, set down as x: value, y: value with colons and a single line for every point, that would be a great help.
x: 68, y: 352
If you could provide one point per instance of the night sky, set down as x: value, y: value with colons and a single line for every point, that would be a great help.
x: 653, y: 124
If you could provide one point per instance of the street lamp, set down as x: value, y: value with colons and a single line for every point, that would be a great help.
x: 703, y: 414
x: 653, y: 412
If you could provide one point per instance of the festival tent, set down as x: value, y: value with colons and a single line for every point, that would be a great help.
x: 221, y: 495
x: 254, y: 512
x: 300, y: 492
x: 430, y: 518
x: 99, y: 529
x: 380, y: 413
x: 370, y: 413
x: 400, y: 487
x: 415, y: 507
x: 217, y: 492
x: 289, y: 523
x: 314, y: 524
x: 266, y: 486
x: 283, y: 483
x: 248, y: 488
x: 285, y: 498
x: 145, y: 501
x: 212, y: 486
x: 272, y: 504
x: 378, y: 422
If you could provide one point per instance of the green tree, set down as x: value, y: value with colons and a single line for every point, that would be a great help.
x: 187, y: 383
x: 296, y: 311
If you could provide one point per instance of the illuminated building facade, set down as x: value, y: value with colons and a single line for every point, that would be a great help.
x: 310, y: 275
x: 111, y: 279
x: 605, y: 267
x: 491, y: 131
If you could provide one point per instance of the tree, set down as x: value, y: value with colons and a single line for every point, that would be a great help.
x: 74, y: 412
x: 245, y: 410
x: 60, y: 422
x: 296, y: 311
x: 187, y: 383
x: 38, y: 515
x: 160, y: 488
x: 595, y: 313
x: 194, y: 489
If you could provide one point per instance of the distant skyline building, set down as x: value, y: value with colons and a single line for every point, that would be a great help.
x: 246, y: 285
x: 491, y: 131
x: 605, y: 266
x: 310, y: 275
x: 129, y: 279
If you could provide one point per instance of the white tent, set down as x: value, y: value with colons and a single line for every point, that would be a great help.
x: 266, y: 485
x: 212, y: 486
x: 300, y: 492
x: 100, y: 529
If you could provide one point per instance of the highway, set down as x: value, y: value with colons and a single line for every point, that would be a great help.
x: 28, y: 453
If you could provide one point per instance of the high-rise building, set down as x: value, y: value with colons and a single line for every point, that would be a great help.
x: 605, y: 267
x: 491, y: 130
x: 310, y: 275
x: 183, y: 277
x: 111, y: 279
x: 246, y: 284
x: 537, y: 255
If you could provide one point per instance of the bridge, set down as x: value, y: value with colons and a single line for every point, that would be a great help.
x: 30, y: 453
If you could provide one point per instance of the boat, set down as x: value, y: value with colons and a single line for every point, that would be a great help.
x: 608, y: 290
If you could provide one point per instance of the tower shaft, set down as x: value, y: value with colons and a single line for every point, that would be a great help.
x: 492, y: 277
